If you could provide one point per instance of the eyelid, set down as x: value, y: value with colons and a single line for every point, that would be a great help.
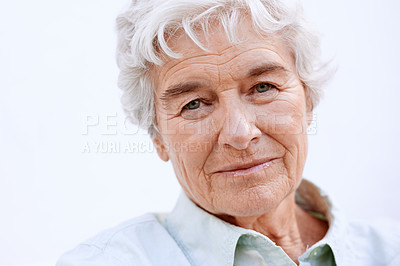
x: 202, y: 101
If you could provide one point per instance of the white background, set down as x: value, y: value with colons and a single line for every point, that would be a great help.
x: 58, y: 71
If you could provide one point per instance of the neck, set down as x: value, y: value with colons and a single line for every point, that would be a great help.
x: 289, y: 226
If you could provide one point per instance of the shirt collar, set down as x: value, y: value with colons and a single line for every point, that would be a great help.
x: 312, y: 198
x: 208, y: 240
x: 204, y: 238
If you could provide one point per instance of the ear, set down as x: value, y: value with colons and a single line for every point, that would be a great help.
x: 310, y: 116
x: 161, y: 148
x: 309, y: 110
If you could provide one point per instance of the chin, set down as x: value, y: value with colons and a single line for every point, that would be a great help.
x: 250, y: 202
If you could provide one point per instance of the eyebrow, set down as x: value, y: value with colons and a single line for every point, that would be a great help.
x: 180, y: 88
x: 265, y: 68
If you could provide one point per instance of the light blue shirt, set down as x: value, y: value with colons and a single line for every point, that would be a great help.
x: 190, y: 236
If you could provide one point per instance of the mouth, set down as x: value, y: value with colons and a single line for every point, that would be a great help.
x: 247, y: 168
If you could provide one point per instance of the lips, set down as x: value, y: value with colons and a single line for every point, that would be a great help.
x: 245, y: 168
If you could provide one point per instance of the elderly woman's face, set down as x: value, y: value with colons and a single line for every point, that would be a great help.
x: 232, y: 121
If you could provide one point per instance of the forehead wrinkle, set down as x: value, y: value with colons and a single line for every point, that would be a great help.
x: 191, y: 65
x: 253, y: 49
x: 221, y: 54
x: 218, y: 54
x: 227, y: 49
x: 238, y: 55
x: 189, y: 58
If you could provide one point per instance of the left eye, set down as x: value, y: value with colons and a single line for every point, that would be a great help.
x: 263, y: 87
x: 192, y: 105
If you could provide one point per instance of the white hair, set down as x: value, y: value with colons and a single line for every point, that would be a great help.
x: 144, y: 28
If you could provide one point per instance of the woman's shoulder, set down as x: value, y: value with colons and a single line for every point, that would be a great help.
x: 379, y: 240
x: 139, y: 241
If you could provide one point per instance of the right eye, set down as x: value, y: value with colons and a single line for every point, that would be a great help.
x: 192, y: 105
x: 197, y: 109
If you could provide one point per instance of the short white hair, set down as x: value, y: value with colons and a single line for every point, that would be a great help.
x: 144, y: 28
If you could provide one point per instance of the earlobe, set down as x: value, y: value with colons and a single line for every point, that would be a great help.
x: 161, y: 148
x: 309, y: 111
x: 310, y: 117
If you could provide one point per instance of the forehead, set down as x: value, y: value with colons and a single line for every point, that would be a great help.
x: 253, y: 48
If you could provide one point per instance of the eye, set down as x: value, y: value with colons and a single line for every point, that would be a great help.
x: 263, y: 93
x: 263, y: 87
x: 197, y: 109
x: 192, y: 105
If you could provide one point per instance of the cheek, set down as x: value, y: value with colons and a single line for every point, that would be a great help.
x: 188, y: 153
x: 286, y: 123
x: 191, y: 139
x: 282, y: 119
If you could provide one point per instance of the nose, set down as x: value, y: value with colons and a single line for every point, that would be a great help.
x: 238, y: 128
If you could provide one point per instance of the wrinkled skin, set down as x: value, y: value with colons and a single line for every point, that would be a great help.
x: 233, y: 122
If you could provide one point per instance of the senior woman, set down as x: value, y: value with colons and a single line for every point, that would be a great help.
x: 226, y: 90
